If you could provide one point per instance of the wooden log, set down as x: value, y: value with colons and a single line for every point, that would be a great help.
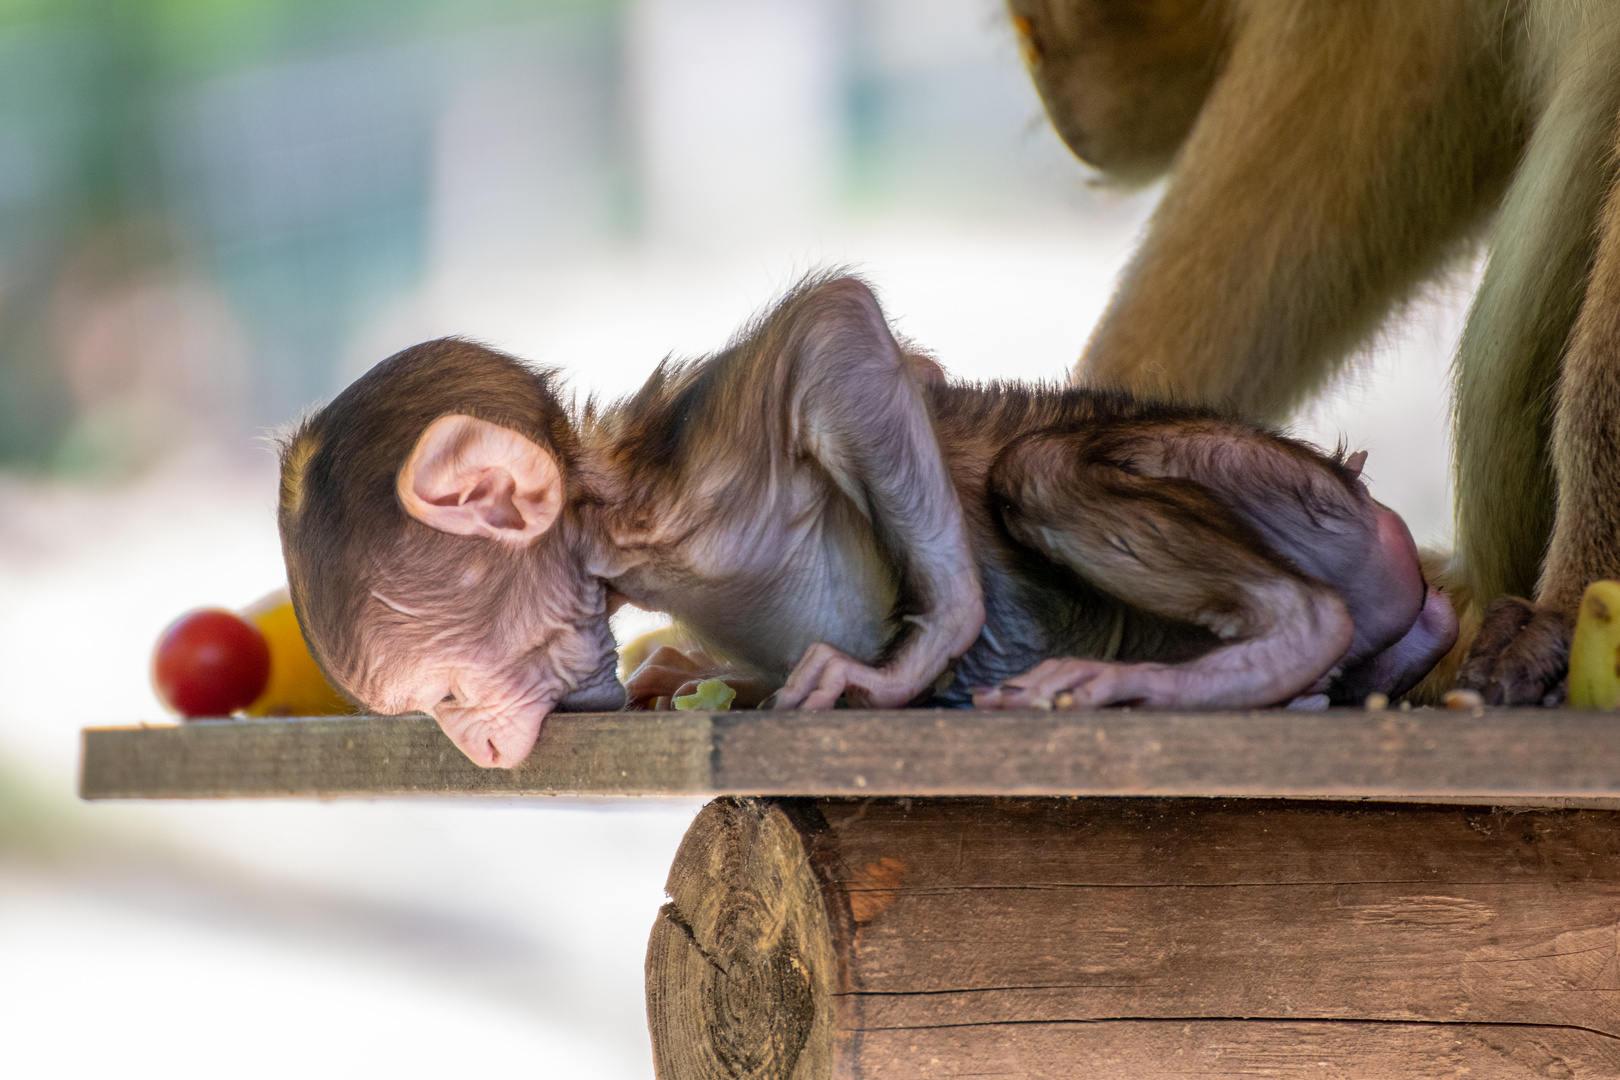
x: 1137, y: 938
x: 1536, y: 757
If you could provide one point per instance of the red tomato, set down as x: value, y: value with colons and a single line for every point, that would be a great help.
x: 210, y: 663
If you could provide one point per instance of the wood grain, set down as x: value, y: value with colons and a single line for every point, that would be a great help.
x: 1154, y: 938
x: 1504, y: 757
x: 1246, y: 1049
x: 740, y: 966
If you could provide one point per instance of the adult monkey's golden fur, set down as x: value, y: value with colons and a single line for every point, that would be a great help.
x: 1327, y: 157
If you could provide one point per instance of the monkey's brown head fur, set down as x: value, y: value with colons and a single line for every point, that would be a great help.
x: 405, y: 616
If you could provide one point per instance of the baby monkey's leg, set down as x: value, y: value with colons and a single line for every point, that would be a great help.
x: 1105, y: 504
x: 1397, y: 667
x: 1188, y: 520
x: 1319, y: 516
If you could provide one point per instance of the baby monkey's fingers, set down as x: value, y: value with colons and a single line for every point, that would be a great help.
x: 825, y: 674
x: 818, y: 681
x: 670, y: 673
x: 663, y: 674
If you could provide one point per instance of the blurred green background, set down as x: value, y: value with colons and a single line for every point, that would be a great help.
x: 203, y: 201
x: 246, y: 177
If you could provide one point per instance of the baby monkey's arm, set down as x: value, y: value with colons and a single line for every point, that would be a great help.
x: 856, y: 414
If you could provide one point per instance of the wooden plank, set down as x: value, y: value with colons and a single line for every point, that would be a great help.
x: 1139, y: 938
x: 1239, y: 1050
x: 1502, y: 757
x: 1543, y: 757
x: 590, y: 754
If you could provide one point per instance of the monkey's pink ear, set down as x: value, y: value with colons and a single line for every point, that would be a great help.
x: 474, y: 478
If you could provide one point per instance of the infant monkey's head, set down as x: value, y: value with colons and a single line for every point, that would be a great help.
x: 427, y: 523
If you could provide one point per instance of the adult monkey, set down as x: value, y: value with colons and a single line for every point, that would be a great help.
x: 1327, y: 157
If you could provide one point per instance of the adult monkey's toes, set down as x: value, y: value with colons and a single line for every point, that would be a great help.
x: 1520, y: 656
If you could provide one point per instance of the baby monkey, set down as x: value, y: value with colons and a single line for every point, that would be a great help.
x: 818, y: 508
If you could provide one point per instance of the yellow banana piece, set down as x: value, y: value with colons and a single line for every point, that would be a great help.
x: 296, y: 686
x: 1594, y: 654
x: 713, y: 695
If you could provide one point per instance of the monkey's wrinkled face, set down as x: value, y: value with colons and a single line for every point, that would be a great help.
x: 491, y: 697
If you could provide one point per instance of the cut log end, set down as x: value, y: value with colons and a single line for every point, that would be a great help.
x: 740, y: 965
x: 1136, y: 939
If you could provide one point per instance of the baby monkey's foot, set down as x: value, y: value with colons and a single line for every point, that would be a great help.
x: 1067, y: 683
x: 1402, y: 665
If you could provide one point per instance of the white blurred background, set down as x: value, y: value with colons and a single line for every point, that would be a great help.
x: 277, y: 196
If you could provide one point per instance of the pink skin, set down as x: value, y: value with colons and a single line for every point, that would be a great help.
x: 1403, y: 626
x: 469, y: 477
x: 1388, y: 594
x: 494, y: 715
x: 501, y: 728
x: 493, y: 706
x: 825, y: 674
x: 670, y: 673
x: 1402, y: 666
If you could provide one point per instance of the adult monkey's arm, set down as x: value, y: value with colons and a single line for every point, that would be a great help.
x: 1343, y: 153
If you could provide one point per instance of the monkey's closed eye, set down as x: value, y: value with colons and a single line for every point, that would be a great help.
x: 450, y: 698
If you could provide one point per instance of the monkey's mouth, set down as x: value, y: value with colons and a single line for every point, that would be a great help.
x: 604, y: 693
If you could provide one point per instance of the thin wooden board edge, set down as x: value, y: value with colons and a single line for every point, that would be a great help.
x: 1530, y: 757
x: 368, y: 756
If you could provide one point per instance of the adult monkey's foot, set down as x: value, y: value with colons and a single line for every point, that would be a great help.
x: 1520, y: 655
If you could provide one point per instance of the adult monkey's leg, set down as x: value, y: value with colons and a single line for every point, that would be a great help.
x: 1343, y: 153
x: 1558, y: 238
x: 1586, y: 435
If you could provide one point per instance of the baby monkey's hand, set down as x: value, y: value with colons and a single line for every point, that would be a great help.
x: 670, y: 673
